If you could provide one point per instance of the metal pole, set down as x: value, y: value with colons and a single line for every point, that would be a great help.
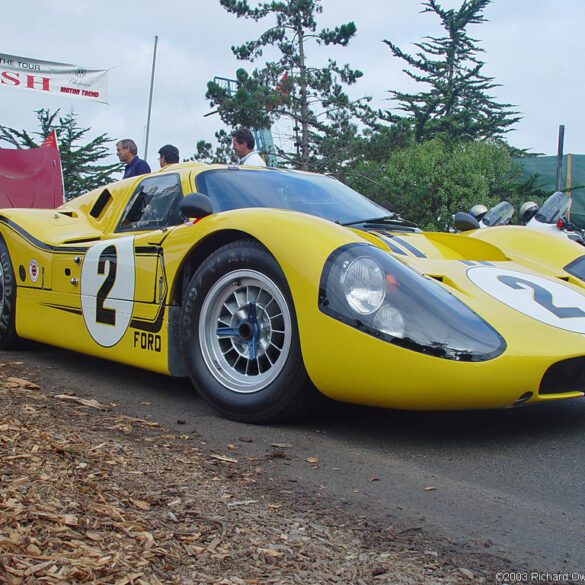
x: 569, y: 182
x: 568, y: 185
x: 560, y: 157
x: 150, y: 98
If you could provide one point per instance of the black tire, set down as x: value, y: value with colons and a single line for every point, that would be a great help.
x: 8, y: 337
x: 256, y: 375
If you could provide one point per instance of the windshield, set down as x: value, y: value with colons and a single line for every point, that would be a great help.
x: 325, y: 197
x: 501, y: 214
x: 553, y: 208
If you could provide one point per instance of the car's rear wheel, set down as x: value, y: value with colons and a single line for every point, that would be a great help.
x: 240, y: 337
x: 8, y: 337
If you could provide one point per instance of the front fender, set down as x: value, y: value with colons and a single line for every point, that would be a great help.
x: 300, y: 244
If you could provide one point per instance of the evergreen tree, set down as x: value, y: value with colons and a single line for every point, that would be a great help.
x: 312, y: 99
x: 457, y: 104
x: 221, y: 154
x: 78, y: 161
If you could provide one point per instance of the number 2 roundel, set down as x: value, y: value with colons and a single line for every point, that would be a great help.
x: 540, y: 298
x: 107, y: 289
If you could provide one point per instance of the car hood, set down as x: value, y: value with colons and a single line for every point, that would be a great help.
x: 433, y: 246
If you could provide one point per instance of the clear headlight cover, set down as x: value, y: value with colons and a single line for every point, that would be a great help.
x: 368, y: 289
x: 364, y: 285
x: 390, y: 321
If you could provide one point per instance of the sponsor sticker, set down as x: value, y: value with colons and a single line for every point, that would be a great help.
x: 33, y: 270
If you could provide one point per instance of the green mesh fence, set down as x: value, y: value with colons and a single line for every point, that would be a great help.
x: 546, y: 169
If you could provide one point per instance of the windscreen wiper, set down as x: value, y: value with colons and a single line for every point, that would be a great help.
x: 390, y: 220
x: 371, y: 220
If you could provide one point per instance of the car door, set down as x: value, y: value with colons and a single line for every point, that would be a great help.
x: 123, y: 279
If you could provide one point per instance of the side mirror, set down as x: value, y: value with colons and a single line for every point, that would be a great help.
x: 196, y: 205
x: 465, y: 221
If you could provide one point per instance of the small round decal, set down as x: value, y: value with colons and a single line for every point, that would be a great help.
x: 542, y: 299
x: 33, y: 270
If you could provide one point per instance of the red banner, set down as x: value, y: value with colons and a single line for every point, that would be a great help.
x: 50, y: 141
x: 32, y: 177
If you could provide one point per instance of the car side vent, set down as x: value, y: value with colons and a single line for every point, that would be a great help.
x: 101, y: 203
x: 565, y: 376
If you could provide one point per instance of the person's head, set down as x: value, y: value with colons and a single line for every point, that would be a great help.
x: 478, y: 211
x: 168, y: 155
x: 527, y: 211
x: 126, y: 150
x: 242, y: 142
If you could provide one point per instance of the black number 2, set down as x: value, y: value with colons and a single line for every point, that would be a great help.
x: 542, y: 296
x: 103, y: 314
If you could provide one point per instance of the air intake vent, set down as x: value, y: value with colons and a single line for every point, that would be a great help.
x: 101, y: 203
x: 565, y: 376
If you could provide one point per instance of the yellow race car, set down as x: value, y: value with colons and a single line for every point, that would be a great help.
x: 265, y: 286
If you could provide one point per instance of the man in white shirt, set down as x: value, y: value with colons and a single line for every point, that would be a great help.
x: 243, y: 145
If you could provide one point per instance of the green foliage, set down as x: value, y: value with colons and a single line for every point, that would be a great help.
x: 252, y: 103
x: 80, y: 173
x: 375, y: 144
x: 379, y: 142
x: 321, y: 116
x: 457, y: 103
x: 428, y: 182
x: 221, y: 154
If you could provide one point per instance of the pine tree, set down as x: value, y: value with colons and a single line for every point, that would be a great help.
x: 458, y: 104
x: 80, y: 173
x: 312, y: 99
x: 222, y: 153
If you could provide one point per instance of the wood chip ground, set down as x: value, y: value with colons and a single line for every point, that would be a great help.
x: 89, y: 495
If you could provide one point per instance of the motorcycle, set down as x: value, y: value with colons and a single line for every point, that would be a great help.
x: 553, y: 216
x: 480, y: 217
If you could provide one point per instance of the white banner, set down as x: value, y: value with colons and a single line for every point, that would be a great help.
x: 59, y: 78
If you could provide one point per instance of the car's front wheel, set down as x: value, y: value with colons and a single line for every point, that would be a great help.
x: 240, y: 337
x: 8, y: 335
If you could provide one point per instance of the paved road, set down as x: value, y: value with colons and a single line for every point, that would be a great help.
x: 507, y: 483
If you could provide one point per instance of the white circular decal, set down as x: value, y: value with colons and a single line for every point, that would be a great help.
x: 33, y: 270
x: 107, y: 289
x: 542, y: 299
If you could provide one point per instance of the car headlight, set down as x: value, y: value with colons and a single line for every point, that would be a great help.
x: 370, y: 290
x: 364, y: 286
x: 390, y: 321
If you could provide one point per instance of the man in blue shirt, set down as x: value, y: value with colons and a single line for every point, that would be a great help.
x: 128, y: 153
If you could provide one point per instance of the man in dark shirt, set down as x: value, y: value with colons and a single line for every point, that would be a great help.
x: 128, y: 153
x: 168, y: 155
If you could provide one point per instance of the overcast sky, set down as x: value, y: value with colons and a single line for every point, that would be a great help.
x: 533, y: 48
